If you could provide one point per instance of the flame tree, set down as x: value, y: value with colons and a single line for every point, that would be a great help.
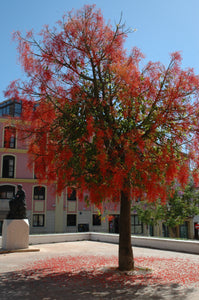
x: 98, y: 121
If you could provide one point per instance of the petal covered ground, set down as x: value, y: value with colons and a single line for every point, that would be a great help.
x: 103, y: 270
x: 90, y: 272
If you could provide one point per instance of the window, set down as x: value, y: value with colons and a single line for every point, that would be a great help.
x: 136, y: 225
x: 71, y: 220
x: 39, y: 193
x: 96, y: 220
x: 83, y: 227
x: 165, y: 230
x: 71, y: 194
x: 35, y: 168
x: 114, y: 223
x: 1, y: 227
x: 39, y: 168
x: 7, y: 192
x: 38, y: 220
x: 9, y: 137
x: 8, y: 166
x: 184, y: 230
x: 10, y: 108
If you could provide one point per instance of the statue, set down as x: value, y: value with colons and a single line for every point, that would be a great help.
x: 17, y: 205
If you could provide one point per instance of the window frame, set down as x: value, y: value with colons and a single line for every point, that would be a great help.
x: 10, y: 168
x: 35, y: 195
x: 37, y: 223
x: 136, y: 224
x: 70, y: 224
x: 6, y: 187
x: 11, y: 143
x: 73, y: 195
x: 11, y: 108
x: 96, y: 220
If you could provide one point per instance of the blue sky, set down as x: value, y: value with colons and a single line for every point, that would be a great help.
x: 163, y: 26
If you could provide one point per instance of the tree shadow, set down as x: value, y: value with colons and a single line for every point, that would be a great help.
x: 43, y: 283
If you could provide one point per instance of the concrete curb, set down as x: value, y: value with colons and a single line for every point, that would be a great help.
x: 187, y: 246
x: 2, y: 251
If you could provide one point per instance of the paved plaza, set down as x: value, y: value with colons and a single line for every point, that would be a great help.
x: 18, y: 279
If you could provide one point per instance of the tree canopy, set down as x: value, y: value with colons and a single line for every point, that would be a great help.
x: 182, y: 205
x: 96, y: 119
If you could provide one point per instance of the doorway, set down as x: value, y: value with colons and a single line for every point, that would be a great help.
x: 114, y: 224
x: 184, y: 230
x: 196, y: 232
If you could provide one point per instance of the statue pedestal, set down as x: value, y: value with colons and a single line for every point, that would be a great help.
x: 15, y: 234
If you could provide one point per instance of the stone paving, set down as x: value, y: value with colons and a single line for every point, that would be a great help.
x: 18, y: 283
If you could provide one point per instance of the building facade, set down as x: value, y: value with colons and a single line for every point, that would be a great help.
x: 47, y: 212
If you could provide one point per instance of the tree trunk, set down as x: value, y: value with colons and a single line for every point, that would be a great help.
x: 126, y: 261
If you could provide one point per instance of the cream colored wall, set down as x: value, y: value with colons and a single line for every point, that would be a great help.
x: 59, y: 214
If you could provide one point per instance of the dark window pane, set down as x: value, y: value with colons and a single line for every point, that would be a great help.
x: 11, y: 108
x: 96, y: 220
x: 9, y: 137
x: 7, y: 192
x: 17, y: 109
x: 71, y: 194
x: 136, y: 225
x: 71, y: 220
x: 38, y: 220
x: 39, y: 193
x: 8, y: 166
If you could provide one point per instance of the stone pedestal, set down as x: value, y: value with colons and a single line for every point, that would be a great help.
x: 15, y: 234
